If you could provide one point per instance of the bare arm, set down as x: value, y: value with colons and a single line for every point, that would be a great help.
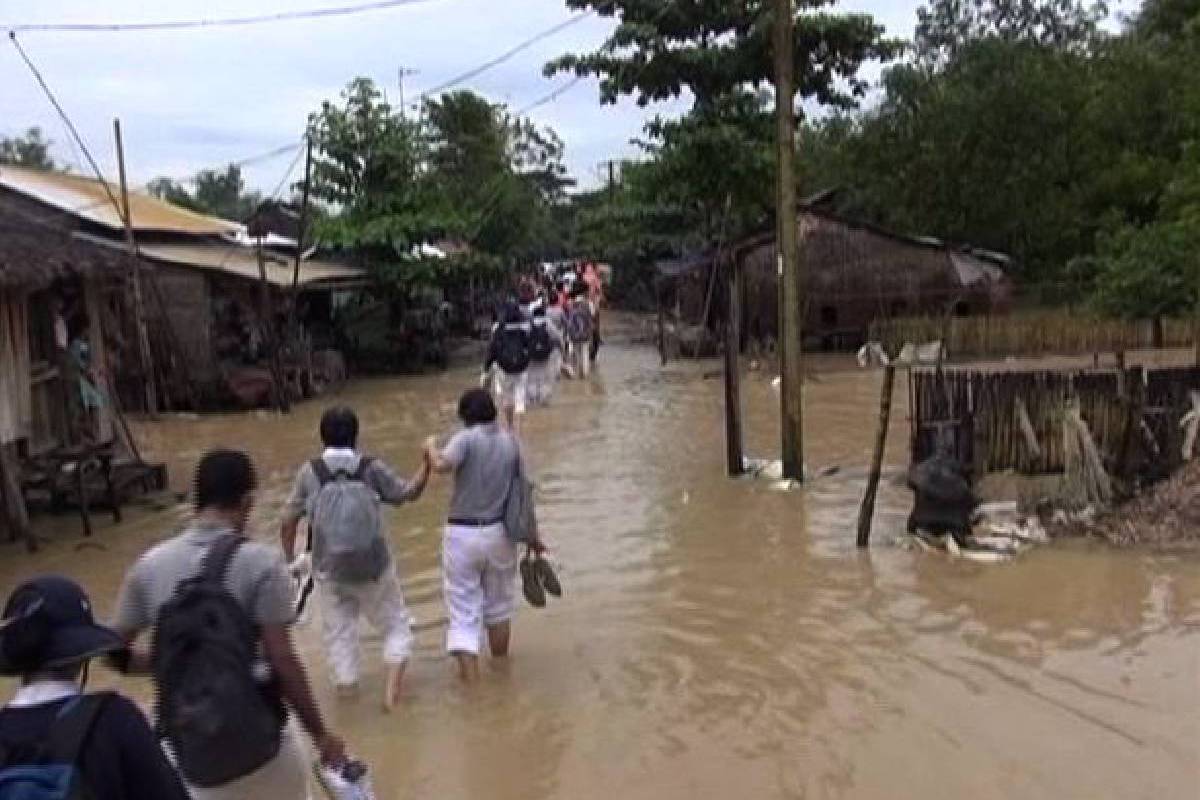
x: 393, y: 490
x: 434, y: 459
x: 288, y: 532
x: 420, y: 479
x: 281, y: 654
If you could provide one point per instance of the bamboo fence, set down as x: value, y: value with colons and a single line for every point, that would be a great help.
x: 1027, y: 333
x: 979, y: 410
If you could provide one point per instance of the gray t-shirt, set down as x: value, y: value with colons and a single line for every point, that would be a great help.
x: 257, y: 579
x: 485, y: 459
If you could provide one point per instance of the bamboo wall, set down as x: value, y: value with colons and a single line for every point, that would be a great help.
x: 979, y: 410
x: 1029, y: 333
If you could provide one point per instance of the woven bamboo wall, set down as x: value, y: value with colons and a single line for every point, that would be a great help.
x: 979, y: 408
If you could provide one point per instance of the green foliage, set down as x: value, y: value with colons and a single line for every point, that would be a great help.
x: 30, y: 149
x: 465, y: 170
x: 1153, y: 270
x: 709, y: 175
x: 945, y: 27
x: 221, y: 194
x: 714, y: 48
x: 1021, y: 128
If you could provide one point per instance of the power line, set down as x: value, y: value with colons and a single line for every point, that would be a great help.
x: 67, y: 120
x: 506, y: 55
x: 552, y: 96
x: 225, y: 22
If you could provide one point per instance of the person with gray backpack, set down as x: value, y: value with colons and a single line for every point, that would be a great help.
x: 351, y: 560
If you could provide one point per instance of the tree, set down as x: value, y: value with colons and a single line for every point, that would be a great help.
x: 711, y: 48
x: 30, y: 149
x: 221, y: 194
x: 945, y: 27
x: 369, y: 167
x: 496, y: 176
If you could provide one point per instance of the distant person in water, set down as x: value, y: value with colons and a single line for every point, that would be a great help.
x: 595, y: 293
x: 352, y: 562
x: 580, y: 319
x: 506, y: 366
x: 545, y: 343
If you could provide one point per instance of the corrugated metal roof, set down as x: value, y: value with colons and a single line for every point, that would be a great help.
x: 972, y: 270
x: 242, y: 262
x: 86, y: 198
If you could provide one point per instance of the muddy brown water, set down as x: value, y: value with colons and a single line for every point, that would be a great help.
x: 719, y: 639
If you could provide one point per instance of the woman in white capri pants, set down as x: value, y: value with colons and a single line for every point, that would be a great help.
x: 479, y: 563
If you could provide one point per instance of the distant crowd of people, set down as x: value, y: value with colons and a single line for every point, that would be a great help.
x: 208, y: 614
x: 544, y: 332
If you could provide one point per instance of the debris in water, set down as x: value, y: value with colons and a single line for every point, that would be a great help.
x: 1166, y: 515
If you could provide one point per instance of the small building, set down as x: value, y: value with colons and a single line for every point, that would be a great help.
x: 854, y: 274
x: 56, y: 295
x: 203, y: 284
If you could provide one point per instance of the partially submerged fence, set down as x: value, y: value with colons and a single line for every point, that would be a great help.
x: 1030, y: 333
x: 1000, y: 421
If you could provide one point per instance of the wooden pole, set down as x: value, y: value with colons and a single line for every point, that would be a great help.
x: 12, y: 501
x: 867, y: 511
x: 301, y: 233
x: 145, y: 357
x: 791, y: 300
x: 662, y: 323
x: 278, y: 394
x: 733, y: 395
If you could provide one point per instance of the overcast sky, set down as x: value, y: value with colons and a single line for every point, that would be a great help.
x: 202, y: 98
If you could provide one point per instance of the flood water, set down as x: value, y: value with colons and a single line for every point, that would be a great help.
x: 722, y: 640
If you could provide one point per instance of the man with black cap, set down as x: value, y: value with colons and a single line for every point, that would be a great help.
x: 97, y: 745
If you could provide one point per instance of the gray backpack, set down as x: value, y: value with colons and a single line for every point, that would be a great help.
x: 348, y: 541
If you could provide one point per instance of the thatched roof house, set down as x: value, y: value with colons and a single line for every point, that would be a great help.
x: 854, y: 273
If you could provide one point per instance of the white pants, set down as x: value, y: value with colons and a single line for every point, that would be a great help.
x: 541, y: 381
x: 382, y: 603
x: 284, y: 777
x: 479, y: 581
x: 582, y: 359
x: 511, y: 390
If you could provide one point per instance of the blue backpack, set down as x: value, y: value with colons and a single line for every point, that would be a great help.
x: 53, y: 773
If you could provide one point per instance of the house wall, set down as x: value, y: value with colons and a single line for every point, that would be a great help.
x: 853, y: 276
x: 15, y: 406
x: 186, y: 302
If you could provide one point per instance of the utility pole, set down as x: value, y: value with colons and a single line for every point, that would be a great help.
x: 301, y: 232
x: 145, y: 357
x: 612, y: 181
x: 401, y: 74
x: 790, y: 280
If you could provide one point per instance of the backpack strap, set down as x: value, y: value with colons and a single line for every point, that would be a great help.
x: 321, y: 470
x: 364, y: 464
x: 218, y: 558
x: 72, y: 726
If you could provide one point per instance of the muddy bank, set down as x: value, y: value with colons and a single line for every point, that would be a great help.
x: 1166, y: 516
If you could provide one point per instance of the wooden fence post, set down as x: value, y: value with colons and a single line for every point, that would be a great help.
x: 733, y: 393
x: 867, y: 511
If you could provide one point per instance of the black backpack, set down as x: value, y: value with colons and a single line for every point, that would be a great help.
x: 219, y: 720
x: 52, y: 770
x: 540, y: 343
x: 512, y: 352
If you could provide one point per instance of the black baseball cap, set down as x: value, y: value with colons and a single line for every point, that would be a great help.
x: 48, y: 624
